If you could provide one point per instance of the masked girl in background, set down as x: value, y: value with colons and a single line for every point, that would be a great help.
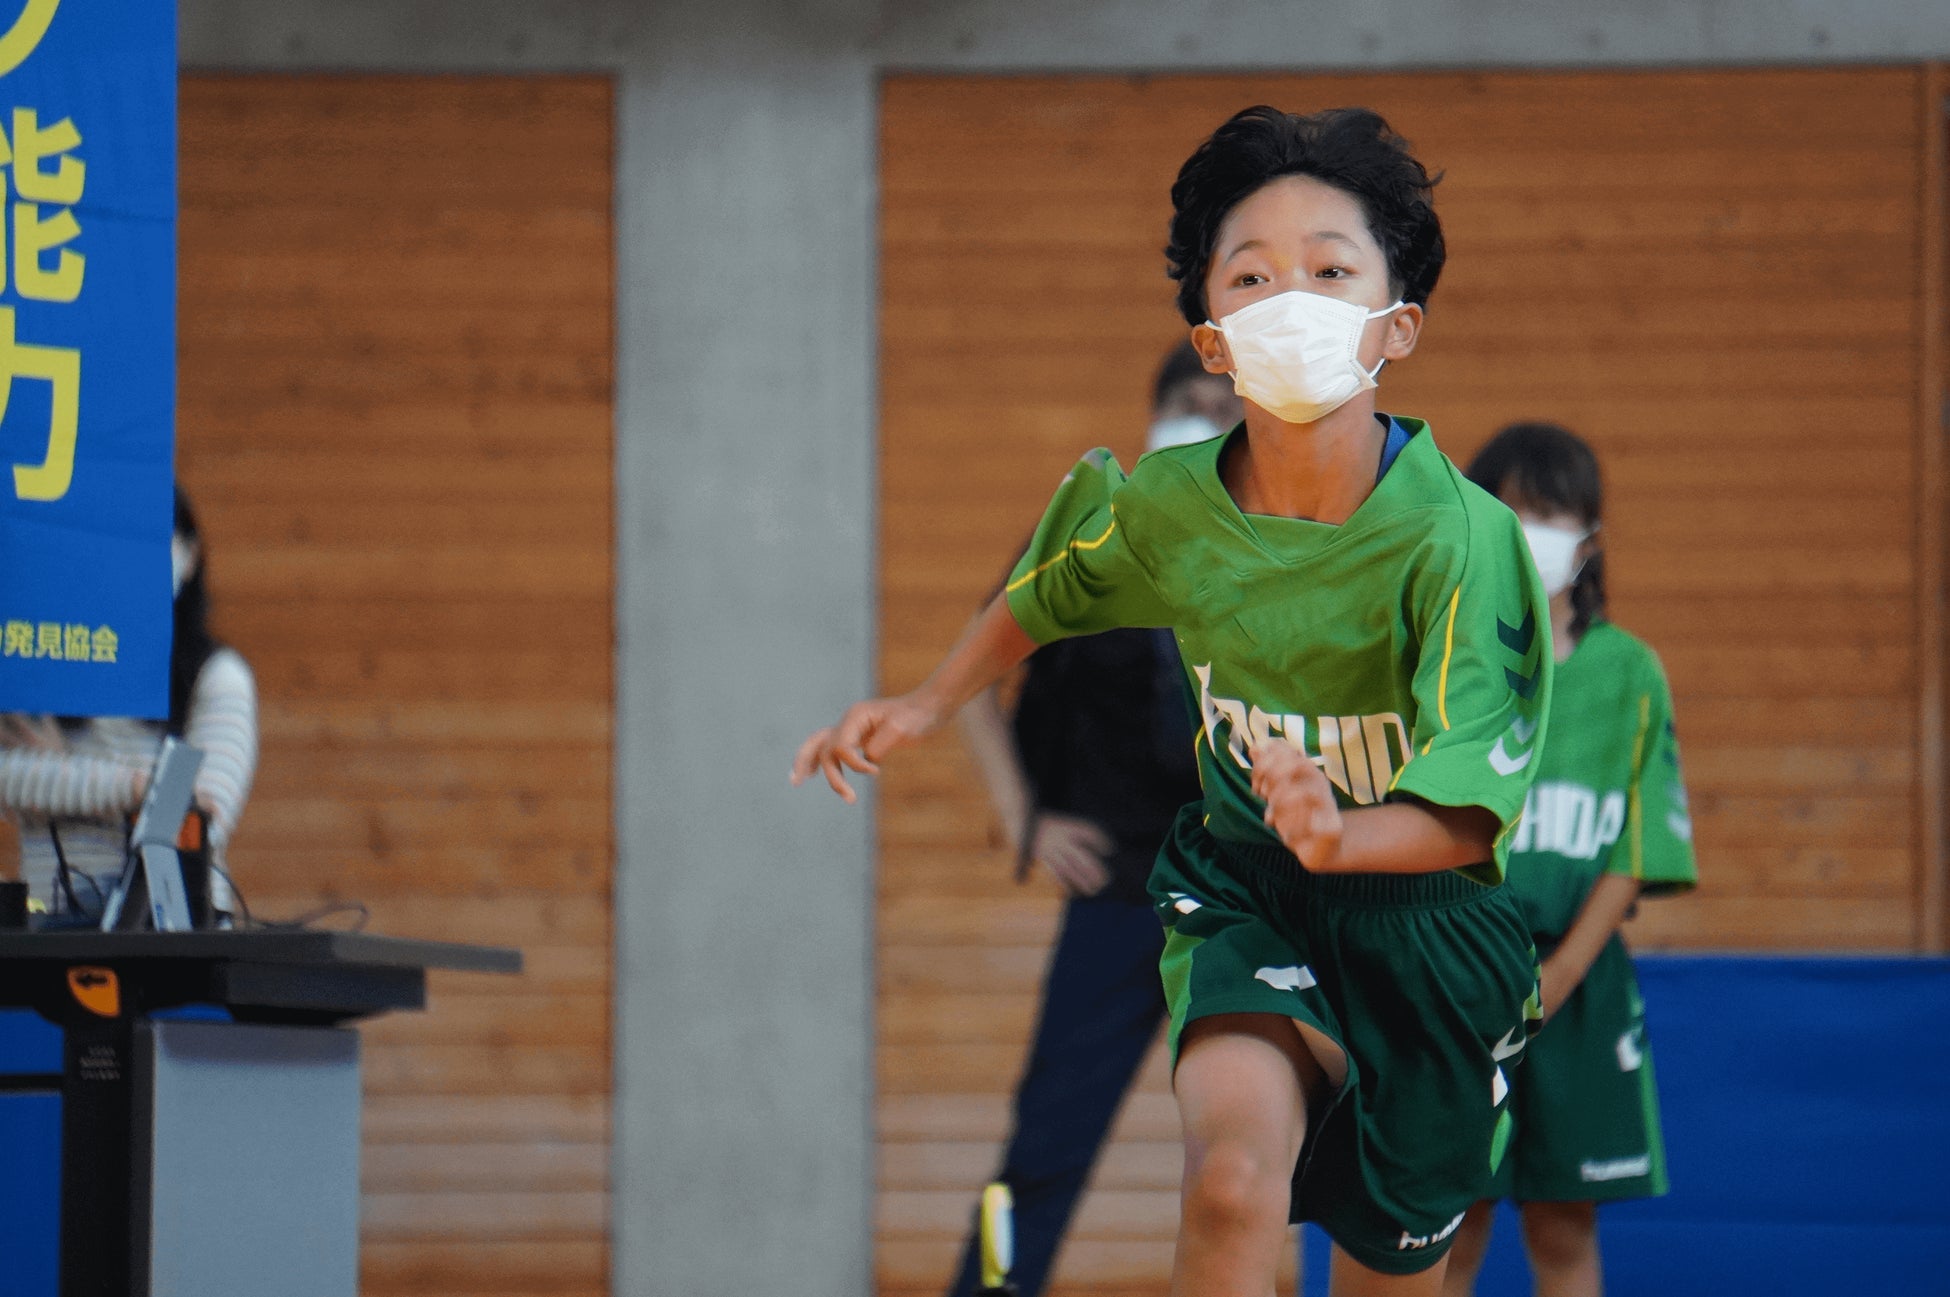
x: 70, y: 784
x: 1606, y: 823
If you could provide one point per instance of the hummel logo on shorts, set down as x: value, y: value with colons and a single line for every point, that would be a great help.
x: 1412, y: 1242
x: 1293, y: 978
x: 1618, y: 1168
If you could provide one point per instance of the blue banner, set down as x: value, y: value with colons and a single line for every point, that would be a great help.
x: 87, y: 354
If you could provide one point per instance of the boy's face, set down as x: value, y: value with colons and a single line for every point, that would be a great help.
x: 1298, y: 234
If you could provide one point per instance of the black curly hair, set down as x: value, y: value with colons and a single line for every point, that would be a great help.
x: 1352, y: 149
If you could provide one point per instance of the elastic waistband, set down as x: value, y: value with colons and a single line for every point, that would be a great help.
x: 1276, y: 865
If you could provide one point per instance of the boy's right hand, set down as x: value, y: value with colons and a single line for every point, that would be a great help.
x: 1300, y: 804
x: 867, y: 732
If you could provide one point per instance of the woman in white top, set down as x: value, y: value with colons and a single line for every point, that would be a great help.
x: 70, y: 784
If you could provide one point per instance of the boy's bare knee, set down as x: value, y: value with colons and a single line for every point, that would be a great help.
x: 1231, y: 1184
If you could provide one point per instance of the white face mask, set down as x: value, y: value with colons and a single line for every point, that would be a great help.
x: 1296, y: 355
x: 1180, y: 430
x: 1555, y: 550
x: 182, y: 564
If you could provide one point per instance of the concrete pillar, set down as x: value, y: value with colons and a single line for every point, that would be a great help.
x: 745, y: 604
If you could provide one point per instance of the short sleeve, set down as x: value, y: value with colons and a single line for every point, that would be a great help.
x: 1657, y: 845
x: 1081, y: 574
x: 1482, y: 681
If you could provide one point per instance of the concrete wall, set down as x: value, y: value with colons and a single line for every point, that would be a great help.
x: 992, y: 35
x: 745, y: 496
x: 1121, y: 35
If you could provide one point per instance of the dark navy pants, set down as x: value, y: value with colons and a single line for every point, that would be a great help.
x: 1102, y: 1003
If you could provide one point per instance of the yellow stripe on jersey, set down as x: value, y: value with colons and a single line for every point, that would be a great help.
x: 1068, y: 550
x: 1448, y: 651
x: 1634, y: 824
x: 1442, y: 681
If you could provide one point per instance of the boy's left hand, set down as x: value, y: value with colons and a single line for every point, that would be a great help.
x: 1300, y: 804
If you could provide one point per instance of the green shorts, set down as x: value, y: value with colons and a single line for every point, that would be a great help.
x: 1427, y: 982
x: 1585, y: 1110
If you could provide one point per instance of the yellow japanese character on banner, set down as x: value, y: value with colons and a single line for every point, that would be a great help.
x: 48, y: 642
x: 34, y: 235
x: 105, y: 644
x: 77, y: 646
x: 25, y: 35
x: 33, y: 146
x: 20, y: 639
x: 61, y: 368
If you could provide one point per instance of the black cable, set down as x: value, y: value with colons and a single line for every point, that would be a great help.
x: 299, y: 923
x: 244, y: 914
x: 66, y: 873
x: 62, y: 873
x: 309, y: 917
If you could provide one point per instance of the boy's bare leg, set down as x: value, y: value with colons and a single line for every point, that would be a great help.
x: 1350, y: 1278
x: 1562, y: 1239
x: 1242, y: 1084
x: 1466, y: 1253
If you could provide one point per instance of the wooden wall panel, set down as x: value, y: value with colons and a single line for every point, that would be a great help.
x: 395, y: 419
x: 1932, y: 495
x: 1713, y: 276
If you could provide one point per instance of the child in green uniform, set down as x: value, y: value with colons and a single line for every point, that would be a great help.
x: 1606, y: 823
x: 1368, y: 645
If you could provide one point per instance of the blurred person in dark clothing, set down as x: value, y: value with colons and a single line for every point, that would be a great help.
x: 1086, y: 778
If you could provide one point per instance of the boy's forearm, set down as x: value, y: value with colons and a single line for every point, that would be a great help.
x: 1414, y: 838
x: 988, y: 650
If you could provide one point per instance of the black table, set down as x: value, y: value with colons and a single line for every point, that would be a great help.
x: 105, y: 988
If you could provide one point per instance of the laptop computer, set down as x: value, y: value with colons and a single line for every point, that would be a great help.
x: 151, y: 892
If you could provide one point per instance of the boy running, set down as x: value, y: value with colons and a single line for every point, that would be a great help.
x: 1369, y: 648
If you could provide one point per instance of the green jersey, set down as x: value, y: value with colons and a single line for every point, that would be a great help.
x: 1406, y: 651
x: 1608, y: 797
